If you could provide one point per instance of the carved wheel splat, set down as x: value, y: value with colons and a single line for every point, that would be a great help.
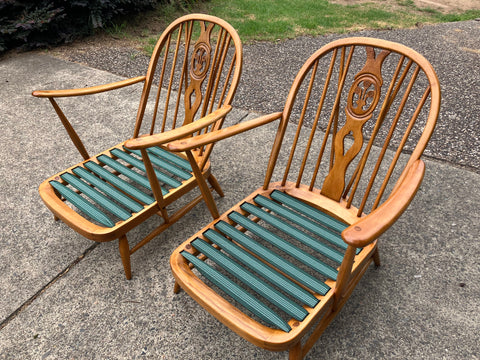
x: 362, y: 100
x: 199, y: 65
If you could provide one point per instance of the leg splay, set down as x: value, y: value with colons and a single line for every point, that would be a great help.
x: 214, y: 182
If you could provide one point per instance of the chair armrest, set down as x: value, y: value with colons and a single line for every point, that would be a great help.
x: 214, y: 136
x: 377, y: 222
x: 178, y: 133
x: 88, y: 90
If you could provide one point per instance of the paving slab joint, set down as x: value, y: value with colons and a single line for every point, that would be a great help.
x: 27, y: 303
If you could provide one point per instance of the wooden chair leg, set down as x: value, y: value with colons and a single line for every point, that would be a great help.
x: 295, y: 353
x: 214, y: 182
x: 376, y: 257
x: 125, y: 255
x: 176, y: 288
x: 202, y: 184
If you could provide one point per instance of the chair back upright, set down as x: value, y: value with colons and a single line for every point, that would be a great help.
x: 364, y: 110
x: 194, y: 70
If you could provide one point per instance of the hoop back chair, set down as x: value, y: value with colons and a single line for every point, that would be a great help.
x: 282, y: 262
x: 189, y: 85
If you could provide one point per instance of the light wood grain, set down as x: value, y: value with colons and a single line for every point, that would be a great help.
x: 211, y: 78
x: 350, y: 147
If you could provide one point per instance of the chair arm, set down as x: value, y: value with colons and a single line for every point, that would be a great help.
x: 377, y: 222
x: 178, y: 133
x: 214, y: 136
x: 88, y: 90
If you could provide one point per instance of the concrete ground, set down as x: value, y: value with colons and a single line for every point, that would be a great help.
x: 63, y: 296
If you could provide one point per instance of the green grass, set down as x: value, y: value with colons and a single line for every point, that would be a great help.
x: 272, y: 20
x: 117, y: 30
x: 281, y: 19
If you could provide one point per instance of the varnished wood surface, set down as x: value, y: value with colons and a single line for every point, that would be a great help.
x: 208, y: 64
x: 202, y: 140
x: 352, y: 117
x: 88, y: 90
x: 178, y: 133
x: 374, y: 224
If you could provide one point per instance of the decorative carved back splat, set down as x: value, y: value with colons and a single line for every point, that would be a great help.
x: 199, y: 65
x: 362, y: 101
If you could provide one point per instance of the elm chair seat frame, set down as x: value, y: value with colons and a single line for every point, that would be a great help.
x: 277, y: 267
x: 195, y: 68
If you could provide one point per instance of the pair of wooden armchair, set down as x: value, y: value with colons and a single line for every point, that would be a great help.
x: 282, y: 262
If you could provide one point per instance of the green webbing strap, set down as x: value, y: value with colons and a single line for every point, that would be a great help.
x: 250, y: 280
x: 120, y: 183
x: 300, y: 255
x: 259, y: 267
x: 122, y: 169
x: 164, y: 154
x: 166, y: 165
x: 96, y: 196
x: 140, y: 165
x: 301, y: 220
x: 249, y: 301
x: 284, y: 245
x: 82, y: 204
x: 289, y: 229
x: 108, y: 189
x: 309, y: 211
x: 271, y: 257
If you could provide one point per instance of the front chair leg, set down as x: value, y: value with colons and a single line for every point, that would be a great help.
x: 125, y: 255
x: 176, y: 288
x: 295, y: 353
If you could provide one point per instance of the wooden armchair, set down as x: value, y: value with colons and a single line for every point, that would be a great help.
x: 191, y: 80
x: 281, y: 263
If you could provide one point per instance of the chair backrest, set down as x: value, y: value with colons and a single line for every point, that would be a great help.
x: 357, y: 104
x: 195, y: 68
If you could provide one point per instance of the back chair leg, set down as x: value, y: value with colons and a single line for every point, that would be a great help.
x: 125, y: 255
x: 376, y: 257
x: 202, y: 184
x: 213, y: 181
